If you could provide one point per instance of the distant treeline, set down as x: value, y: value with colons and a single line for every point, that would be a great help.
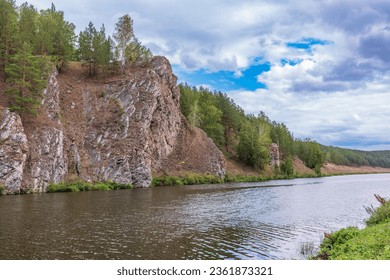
x: 355, y: 157
x: 32, y: 41
x: 246, y: 137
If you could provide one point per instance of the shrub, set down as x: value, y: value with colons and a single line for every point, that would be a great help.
x: 371, y: 243
x: 380, y: 214
x: 1, y: 189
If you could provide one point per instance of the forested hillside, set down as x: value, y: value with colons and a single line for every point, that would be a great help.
x: 247, y: 137
x: 355, y: 157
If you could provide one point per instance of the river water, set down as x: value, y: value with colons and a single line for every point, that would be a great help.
x: 266, y: 220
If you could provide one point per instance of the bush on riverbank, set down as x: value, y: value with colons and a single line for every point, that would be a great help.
x: 372, y: 242
x: 78, y: 186
x: 1, y: 189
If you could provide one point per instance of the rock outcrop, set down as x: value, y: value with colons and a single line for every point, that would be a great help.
x: 13, y: 151
x: 274, y: 155
x: 125, y: 130
x: 47, y: 162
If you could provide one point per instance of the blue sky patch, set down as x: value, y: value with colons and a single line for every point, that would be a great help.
x: 224, y: 80
x: 307, y: 43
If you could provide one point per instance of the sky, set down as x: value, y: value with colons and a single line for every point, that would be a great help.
x: 322, y: 67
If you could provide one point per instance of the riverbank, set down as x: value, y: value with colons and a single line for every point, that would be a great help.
x: 189, y: 178
x: 370, y: 243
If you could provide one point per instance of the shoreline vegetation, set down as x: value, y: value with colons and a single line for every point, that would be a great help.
x: 81, y: 186
x: 179, y: 180
x: 369, y: 243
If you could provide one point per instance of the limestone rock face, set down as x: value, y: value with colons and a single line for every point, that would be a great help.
x: 122, y: 129
x: 47, y: 162
x: 137, y: 127
x: 274, y: 155
x: 13, y: 151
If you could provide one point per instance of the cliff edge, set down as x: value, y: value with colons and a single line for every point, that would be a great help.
x: 123, y: 129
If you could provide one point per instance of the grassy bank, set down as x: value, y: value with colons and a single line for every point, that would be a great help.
x: 78, y: 186
x: 370, y: 243
x: 199, y: 179
x: 167, y: 180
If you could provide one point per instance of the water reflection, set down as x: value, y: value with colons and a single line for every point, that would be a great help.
x: 267, y: 220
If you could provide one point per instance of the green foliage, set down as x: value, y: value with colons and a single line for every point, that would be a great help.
x: 136, y: 54
x: 245, y: 137
x: 356, y: 158
x: 28, y: 41
x: 254, y: 141
x: 372, y: 242
x: 310, y: 153
x: 380, y: 215
x: 282, y: 136
x: 25, y: 80
x: 54, y: 36
x: 95, y: 48
x: 185, y: 179
x: 78, y: 186
x: 199, y: 179
x: 8, y: 31
x: 287, y: 167
x: 124, y: 33
x: 2, y: 188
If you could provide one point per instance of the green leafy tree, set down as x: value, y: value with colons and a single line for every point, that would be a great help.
x: 251, y: 150
x: 123, y: 35
x: 287, y: 167
x: 310, y: 153
x: 281, y: 135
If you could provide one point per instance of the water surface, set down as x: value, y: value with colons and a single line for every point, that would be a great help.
x: 267, y: 220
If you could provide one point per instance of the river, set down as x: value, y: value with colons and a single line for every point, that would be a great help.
x: 266, y: 220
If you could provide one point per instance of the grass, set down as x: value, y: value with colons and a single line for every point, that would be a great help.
x: 370, y: 243
x: 185, y: 179
x: 78, y: 186
x: 199, y: 179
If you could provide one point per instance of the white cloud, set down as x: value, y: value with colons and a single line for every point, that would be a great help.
x: 334, y: 92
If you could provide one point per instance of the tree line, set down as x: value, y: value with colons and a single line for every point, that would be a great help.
x: 32, y: 41
x: 247, y: 137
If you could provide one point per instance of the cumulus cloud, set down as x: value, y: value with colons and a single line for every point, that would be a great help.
x: 329, y: 60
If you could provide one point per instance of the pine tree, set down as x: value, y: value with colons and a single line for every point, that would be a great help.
x: 8, y: 31
x: 55, y: 36
x: 85, y: 45
x: 135, y: 53
x: 26, y: 80
x: 27, y: 29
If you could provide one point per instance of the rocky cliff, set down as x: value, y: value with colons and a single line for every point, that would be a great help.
x: 123, y: 129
